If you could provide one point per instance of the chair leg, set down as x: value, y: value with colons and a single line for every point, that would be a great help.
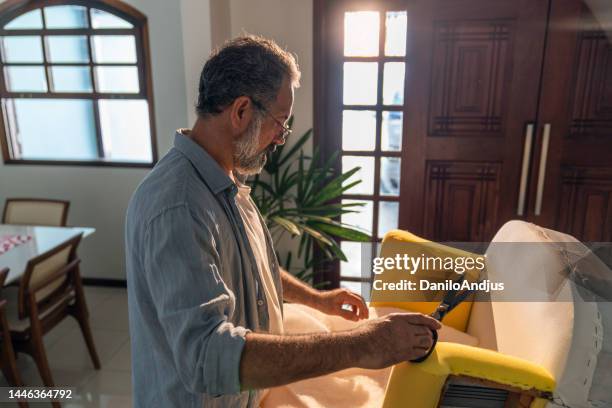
x: 82, y: 317
x: 40, y: 357
x: 9, y: 365
x: 86, y: 330
x: 7, y: 358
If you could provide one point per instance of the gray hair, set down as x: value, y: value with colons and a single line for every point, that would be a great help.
x: 245, y: 66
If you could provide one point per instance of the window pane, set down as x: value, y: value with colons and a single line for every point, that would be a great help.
x: 354, y: 287
x: 363, y: 289
x: 117, y: 79
x: 352, y: 250
x: 393, y: 83
x: 358, y: 130
x: 360, y: 83
x: 389, y: 175
x: 391, y: 131
x: 361, y: 33
x: 125, y: 130
x: 71, y: 79
x: 22, y: 49
x: 55, y: 129
x: 114, y: 48
x: 103, y: 19
x: 66, y: 17
x: 365, y: 174
x: 26, y: 79
x: 30, y: 20
x: 388, y: 212
x: 395, y: 40
x: 362, y: 217
x: 67, y: 48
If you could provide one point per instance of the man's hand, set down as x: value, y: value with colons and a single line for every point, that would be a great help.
x: 342, y: 302
x: 395, y: 338
x: 329, y: 302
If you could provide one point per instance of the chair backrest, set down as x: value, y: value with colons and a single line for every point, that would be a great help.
x: 543, y: 319
x: 48, y: 277
x: 35, y: 211
x: 402, y: 243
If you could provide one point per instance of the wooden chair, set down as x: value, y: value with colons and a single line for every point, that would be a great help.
x: 7, y: 355
x: 49, y: 291
x: 35, y: 211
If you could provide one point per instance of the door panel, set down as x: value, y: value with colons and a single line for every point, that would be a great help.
x: 471, y: 88
x: 577, y: 105
x: 585, y: 207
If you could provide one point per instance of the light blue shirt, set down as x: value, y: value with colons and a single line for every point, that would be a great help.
x: 194, y: 290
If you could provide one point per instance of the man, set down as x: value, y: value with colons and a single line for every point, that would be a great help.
x: 204, y: 287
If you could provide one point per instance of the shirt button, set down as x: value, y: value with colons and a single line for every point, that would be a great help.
x: 260, y: 302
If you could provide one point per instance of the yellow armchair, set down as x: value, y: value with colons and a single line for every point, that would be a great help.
x: 454, y: 373
x: 529, y: 351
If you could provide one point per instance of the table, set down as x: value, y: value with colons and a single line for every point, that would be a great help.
x: 43, y: 239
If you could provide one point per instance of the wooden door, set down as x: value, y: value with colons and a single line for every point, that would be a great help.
x: 571, y: 187
x: 472, y: 84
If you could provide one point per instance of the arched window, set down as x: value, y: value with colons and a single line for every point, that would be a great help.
x: 75, y: 84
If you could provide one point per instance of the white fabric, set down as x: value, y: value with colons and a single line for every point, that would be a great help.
x: 352, y: 388
x: 257, y: 239
x: 559, y: 331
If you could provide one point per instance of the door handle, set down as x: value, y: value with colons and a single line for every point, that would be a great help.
x: 525, y: 169
x: 542, y: 169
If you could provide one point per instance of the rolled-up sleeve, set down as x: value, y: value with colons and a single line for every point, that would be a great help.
x: 192, y: 301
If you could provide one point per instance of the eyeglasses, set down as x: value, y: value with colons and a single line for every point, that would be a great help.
x: 286, y: 131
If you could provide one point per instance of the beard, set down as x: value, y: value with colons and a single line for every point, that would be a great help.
x: 247, y: 159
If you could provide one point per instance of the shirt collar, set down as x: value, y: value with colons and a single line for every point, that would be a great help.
x: 208, y: 168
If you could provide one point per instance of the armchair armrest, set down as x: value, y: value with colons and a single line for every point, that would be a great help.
x: 422, y: 384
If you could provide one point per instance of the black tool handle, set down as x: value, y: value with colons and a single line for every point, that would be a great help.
x: 434, y: 335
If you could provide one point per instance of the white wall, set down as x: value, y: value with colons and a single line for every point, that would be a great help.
x: 99, y: 196
x: 196, y: 26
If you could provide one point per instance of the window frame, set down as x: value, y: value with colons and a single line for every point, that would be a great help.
x: 328, y: 59
x: 12, y: 9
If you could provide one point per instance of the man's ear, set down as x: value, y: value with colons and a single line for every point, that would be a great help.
x: 241, y: 111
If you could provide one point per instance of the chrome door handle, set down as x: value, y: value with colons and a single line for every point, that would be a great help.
x: 542, y: 169
x: 525, y: 169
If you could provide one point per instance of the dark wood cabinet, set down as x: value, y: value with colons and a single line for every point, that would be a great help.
x: 509, y: 115
x: 472, y: 88
x: 574, y: 192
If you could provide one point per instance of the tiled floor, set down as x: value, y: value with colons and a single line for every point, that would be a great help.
x: 70, y: 362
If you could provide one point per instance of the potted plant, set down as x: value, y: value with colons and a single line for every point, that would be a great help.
x: 298, y: 196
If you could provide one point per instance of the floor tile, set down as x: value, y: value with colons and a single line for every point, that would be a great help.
x: 111, y: 313
x: 122, y: 360
x: 95, y: 294
x: 71, y: 352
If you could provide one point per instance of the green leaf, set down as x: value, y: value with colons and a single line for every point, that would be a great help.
x: 317, y: 235
x: 343, y: 232
x: 286, y: 224
x: 334, y: 188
